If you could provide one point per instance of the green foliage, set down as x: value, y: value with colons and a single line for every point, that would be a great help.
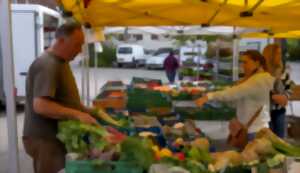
x: 199, y: 155
x: 195, y: 167
x: 74, y: 133
x: 181, y: 40
x: 105, y: 58
x: 293, y: 50
x: 137, y: 151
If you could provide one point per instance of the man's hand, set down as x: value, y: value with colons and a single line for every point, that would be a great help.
x: 280, y: 99
x: 201, y: 101
x: 86, y: 118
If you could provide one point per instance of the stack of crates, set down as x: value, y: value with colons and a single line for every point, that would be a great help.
x: 112, y: 96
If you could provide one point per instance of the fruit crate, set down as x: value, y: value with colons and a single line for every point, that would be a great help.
x: 111, y: 99
x: 145, y: 100
x: 188, y: 110
x: 110, y: 103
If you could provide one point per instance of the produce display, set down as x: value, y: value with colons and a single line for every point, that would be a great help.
x: 154, y: 133
x: 100, y: 148
x: 145, y: 83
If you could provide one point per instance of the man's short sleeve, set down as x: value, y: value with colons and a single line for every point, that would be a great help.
x: 45, y: 81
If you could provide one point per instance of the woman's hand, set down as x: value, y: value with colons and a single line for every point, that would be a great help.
x: 280, y: 99
x: 201, y: 101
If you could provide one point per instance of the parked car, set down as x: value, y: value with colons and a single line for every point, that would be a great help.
x: 156, y: 61
x: 129, y: 54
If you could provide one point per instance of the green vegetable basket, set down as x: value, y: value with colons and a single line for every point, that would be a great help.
x: 88, y: 166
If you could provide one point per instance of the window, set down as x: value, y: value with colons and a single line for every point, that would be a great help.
x: 154, y: 37
x: 163, y: 50
x: 138, y: 36
x: 125, y: 50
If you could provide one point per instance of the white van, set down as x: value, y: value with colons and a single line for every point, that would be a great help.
x: 33, y: 30
x: 130, y: 54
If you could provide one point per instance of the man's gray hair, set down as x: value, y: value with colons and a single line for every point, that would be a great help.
x: 66, y: 29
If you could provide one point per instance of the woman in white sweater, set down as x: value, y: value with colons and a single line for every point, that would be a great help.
x: 251, y: 92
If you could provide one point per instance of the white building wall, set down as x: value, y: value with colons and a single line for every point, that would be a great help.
x: 147, y: 42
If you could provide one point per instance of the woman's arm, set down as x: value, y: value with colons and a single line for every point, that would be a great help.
x: 252, y: 86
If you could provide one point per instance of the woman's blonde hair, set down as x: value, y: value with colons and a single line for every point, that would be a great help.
x: 272, y: 55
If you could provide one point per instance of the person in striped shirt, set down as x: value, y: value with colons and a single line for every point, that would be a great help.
x: 282, y: 88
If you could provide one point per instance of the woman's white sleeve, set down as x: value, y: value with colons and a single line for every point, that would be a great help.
x: 236, y: 92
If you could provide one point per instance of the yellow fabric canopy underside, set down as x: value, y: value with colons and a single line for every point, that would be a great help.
x: 289, y: 34
x: 279, y: 16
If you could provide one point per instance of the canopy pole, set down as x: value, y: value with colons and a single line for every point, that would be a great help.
x: 87, y: 75
x: 235, y: 58
x: 198, y: 61
x: 8, y: 72
x: 95, y: 71
x: 85, y: 72
x: 217, y: 61
x: 82, y: 66
x: 235, y: 69
x: 217, y: 12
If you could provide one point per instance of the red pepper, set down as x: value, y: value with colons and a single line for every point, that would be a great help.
x: 115, y: 136
x: 180, y: 156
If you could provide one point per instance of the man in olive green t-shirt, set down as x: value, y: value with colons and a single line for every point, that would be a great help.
x: 51, y: 96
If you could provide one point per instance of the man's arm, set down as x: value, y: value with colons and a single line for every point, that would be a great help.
x: 50, y: 109
x: 86, y: 109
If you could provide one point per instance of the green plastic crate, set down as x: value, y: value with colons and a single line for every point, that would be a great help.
x: 239, y: 169
x: 139, y: 80
x: 224, y: 113
x: 87, y: 166
x: 139, y: 100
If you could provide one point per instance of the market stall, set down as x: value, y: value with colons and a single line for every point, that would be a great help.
x: 160, y: 134
x: 266, y: 151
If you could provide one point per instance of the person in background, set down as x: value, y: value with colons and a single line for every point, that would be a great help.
x: 282, y: 88
x: 171, y: 65
x: 250, y: 94
x: 52, y: 96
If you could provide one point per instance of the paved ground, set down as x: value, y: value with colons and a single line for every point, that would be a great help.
x: 98, y: 78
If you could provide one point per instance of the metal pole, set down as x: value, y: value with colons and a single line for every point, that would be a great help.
x: 268, y: 40
x: 87, y: 76
x: 235, y: 63
x: 198, y: 62
x: 83, y: 77
x: 95, y: 72
x: 217, y: 61
x: 8, y: 72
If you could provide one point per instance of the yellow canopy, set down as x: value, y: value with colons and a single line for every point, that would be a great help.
x: 289, y: 34
x: 271, y: 14
x: 264, y: 3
